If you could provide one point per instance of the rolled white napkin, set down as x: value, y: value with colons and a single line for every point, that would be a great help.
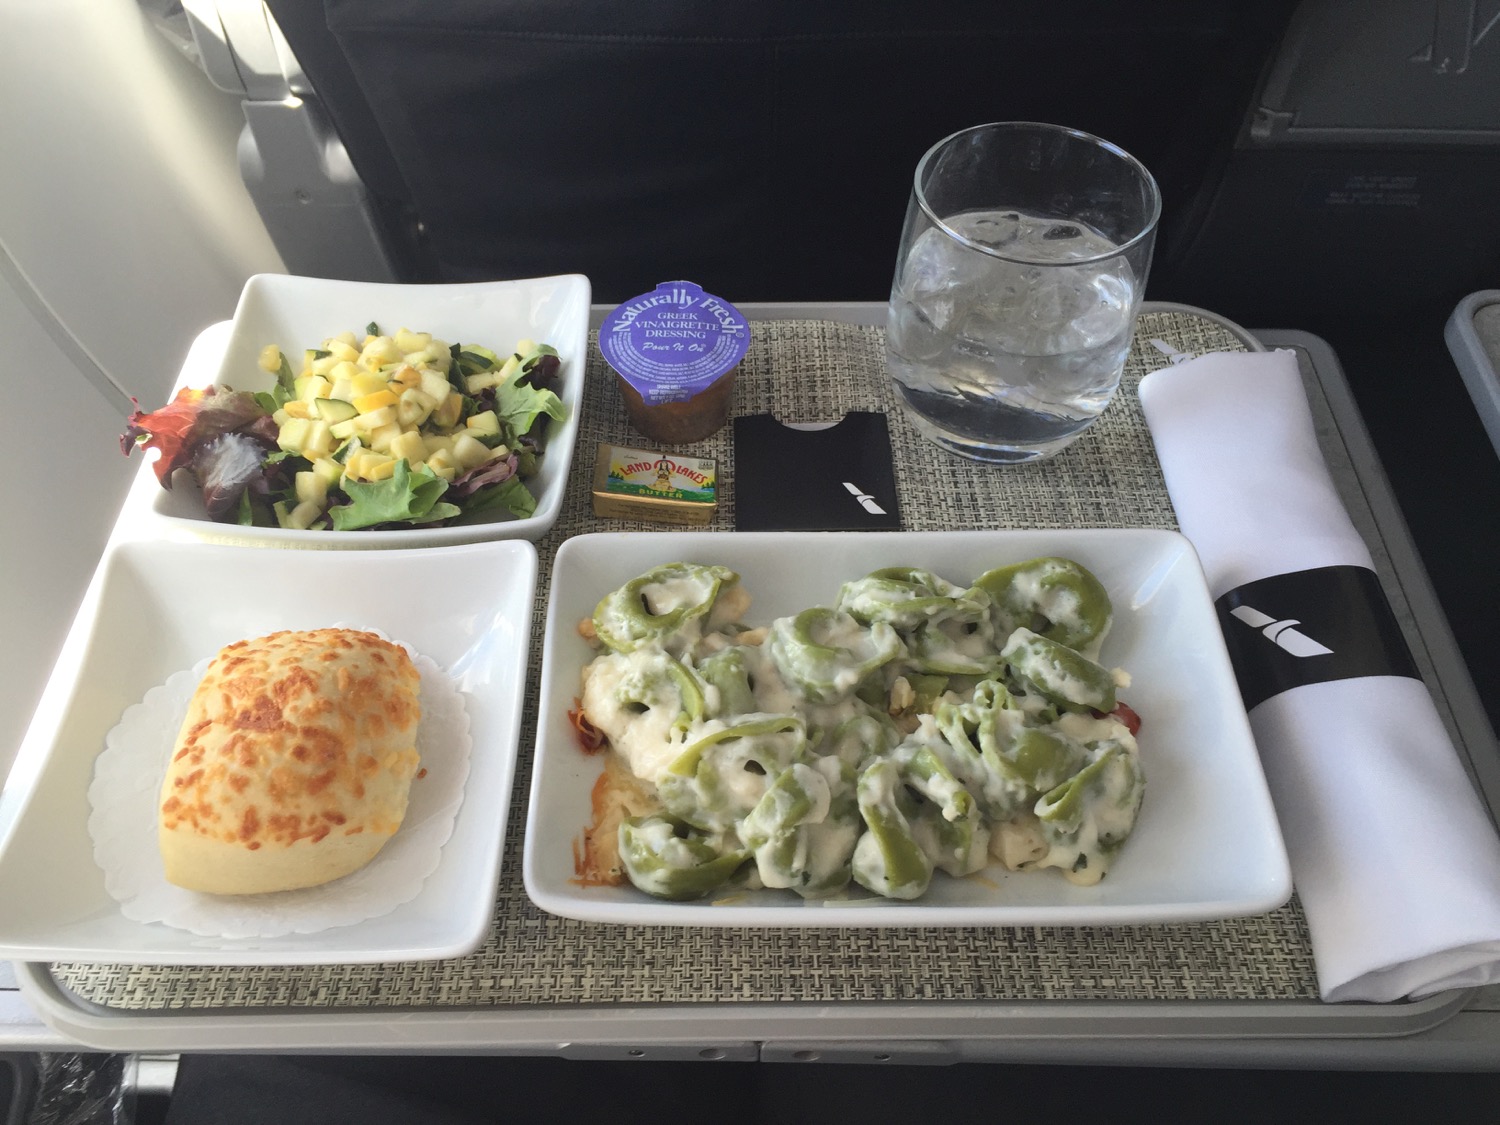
x: 1396, y: 860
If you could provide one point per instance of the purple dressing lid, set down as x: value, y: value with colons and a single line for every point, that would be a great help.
x: 674, y: 342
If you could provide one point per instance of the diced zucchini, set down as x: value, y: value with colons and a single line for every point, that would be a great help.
x: 329, y: 469
x: 309, y: 387
x: 334, y: 409
x: 342, y: 454
x: 477, y: 383
x: 368, y: 423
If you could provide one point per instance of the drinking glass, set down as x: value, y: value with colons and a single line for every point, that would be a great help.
x: 1021, y: 269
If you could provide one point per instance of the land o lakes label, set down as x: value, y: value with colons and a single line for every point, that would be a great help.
x: 646, y: 485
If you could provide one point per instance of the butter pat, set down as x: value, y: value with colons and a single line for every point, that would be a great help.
x: 639, y: 484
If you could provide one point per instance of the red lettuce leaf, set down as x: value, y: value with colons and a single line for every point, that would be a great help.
x: 190, y: 421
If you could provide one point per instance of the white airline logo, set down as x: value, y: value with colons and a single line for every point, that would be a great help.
x: 1280, y: 633
x: 866, y: 501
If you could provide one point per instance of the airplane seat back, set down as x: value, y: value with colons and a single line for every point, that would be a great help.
x: 763, y: 148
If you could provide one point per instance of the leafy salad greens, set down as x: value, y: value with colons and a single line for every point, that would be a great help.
x: 382, y: 431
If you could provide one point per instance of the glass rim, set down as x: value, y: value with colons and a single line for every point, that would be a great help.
x: 1146, y: 231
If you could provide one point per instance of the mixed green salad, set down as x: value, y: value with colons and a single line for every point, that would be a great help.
x: 372, y: 431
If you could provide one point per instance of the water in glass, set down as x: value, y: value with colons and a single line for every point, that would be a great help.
x: 1008, y: 358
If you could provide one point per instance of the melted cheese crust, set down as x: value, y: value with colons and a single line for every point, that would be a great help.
x: 295, y: 746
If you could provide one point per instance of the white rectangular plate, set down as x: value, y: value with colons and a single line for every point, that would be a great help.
x: 155, y: 608
x: 1207, y: 844
x: 296, y: 313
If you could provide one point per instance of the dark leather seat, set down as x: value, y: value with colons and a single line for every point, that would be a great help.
x: 763, y: 148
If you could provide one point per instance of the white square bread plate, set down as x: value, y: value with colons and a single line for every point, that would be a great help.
x: 157, y: 608
x: 1207, y: 843
x: 297, y: 313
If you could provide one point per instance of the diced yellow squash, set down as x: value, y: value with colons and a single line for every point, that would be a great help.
x: 304, y: 515
x: 343, y: 369
x: 364, y: 464
x: 368, y: 423
x: 311, y: 488
x: 435, y: 386
x: 344, y: 350
x: 508, y: 369
x: 404, y: 377
x: 414, y: 408
x: 319, y: 440
x: 477, y: 383
x: 436, y: 442
x: 297, y: 408
x: 343, y: 431
x: 279, y: 416
x: 292, y: 434
x: 364, y: 383
x: 485, y: 422
x: 385, y: 470
x: 380, y: 350
x: 408, y: 445
x: 446, y: 414
x: 367, y: 404
x: 409, y: 341
x: 270, y: 358
x: 525, y: 347
x: 469, y: 451
x: 342, y: 389
x: 441, y: 462
x: 343, y: 337
x: 381, y: 437
x: 324, y: 366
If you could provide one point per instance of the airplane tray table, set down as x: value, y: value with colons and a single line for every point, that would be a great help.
x: 542, y: 984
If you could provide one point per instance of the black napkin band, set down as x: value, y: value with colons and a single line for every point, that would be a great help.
x: 1310, y: 627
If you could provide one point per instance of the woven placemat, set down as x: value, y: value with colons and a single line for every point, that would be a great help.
x: 809, y: 371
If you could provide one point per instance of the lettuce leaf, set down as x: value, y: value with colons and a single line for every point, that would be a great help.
x: 192, y: 420
x: 520, y: 406
x: 511, y: 494
x: 405, y: 497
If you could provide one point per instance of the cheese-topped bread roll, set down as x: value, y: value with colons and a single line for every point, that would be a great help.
x: 294, y: 763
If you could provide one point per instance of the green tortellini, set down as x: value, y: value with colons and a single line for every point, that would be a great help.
x: 1061, y: 675
x: 1057, y: 598
x: 658, y: 605
x: 665, y: 857
x: 827, y: 653
x: 915, y: 726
